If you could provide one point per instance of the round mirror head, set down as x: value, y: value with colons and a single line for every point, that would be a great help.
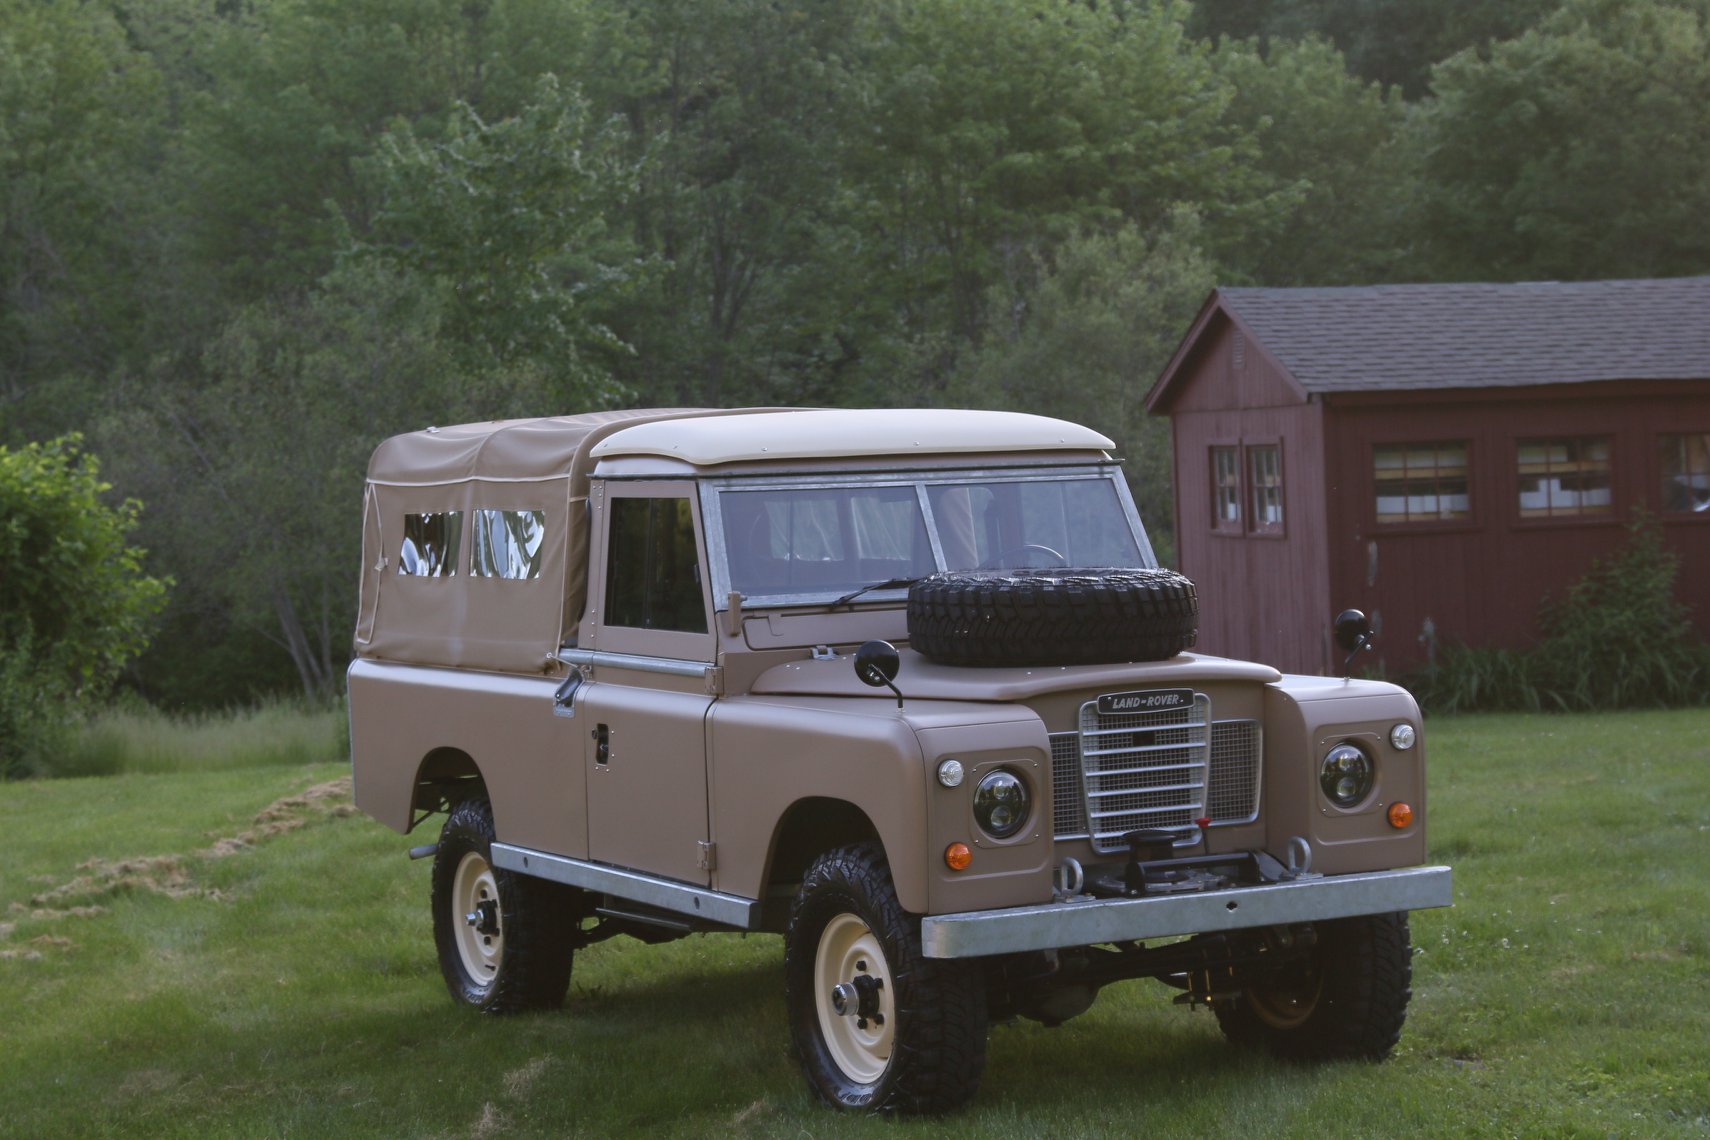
x: 1350, y: 627
x: 877, y: 662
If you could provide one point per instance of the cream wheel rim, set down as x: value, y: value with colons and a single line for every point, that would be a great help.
x: 856, y: 998
x: 475, y: 918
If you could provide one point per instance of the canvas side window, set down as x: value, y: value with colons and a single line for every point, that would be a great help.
x: 1421, y: 482
x: 1267, y: 486
x: 507, y: 544
x: 1686, y: 472
x: 1565, y: 478
x: 430, y: 545
x: 652, y: 568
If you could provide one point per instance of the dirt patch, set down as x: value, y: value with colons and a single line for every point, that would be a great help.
x: 173, y: 875
x: 520, y: 1082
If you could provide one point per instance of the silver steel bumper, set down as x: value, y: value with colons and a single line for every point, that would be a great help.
x: 1087, y: 922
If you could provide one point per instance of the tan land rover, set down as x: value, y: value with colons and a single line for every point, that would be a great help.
x: 905, y: 687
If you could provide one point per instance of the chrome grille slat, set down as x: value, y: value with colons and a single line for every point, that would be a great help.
x: 1123, y: 771
x: 1123, y: 790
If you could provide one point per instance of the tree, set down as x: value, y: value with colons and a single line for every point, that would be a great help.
x: 1575, y: 151
x: 1089, y: 340
x: 1328, y: 142
x: 77, y: 605
x: 511, y: 217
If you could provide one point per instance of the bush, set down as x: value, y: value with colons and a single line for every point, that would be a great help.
x: 1618, y: 638
x: 76, y: 604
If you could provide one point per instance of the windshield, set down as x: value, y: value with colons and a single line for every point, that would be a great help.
x: 808, y: 541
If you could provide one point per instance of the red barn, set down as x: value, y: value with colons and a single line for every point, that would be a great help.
x: 1440, y: 456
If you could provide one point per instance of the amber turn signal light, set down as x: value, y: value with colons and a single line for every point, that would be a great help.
x: 957, y: 856
x: 1400, y: 815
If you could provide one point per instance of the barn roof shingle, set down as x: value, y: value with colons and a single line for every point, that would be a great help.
x: 1399, y: 337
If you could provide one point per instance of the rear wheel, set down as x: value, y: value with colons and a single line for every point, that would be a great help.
x: 874, y: 1024
x: 504, y: 939
x: 1346, y: 999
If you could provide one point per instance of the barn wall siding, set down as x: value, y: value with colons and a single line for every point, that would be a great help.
x: 1482, y: 583
x: 1261, y: 597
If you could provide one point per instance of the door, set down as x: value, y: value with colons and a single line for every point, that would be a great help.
x: 644, y: 712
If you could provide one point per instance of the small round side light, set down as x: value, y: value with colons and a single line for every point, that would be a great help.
x: 1400, y: 815
x: 950, y: 773
x: 1402, y: 736
x: 957, y: 856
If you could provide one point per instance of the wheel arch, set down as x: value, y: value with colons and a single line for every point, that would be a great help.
x: 445, y: 778
x: 810, y: 827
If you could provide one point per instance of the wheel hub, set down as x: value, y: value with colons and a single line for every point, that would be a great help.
x: 485, y: 917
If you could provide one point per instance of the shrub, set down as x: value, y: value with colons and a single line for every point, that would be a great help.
x: 1618, y: 638
x: 76, y: 604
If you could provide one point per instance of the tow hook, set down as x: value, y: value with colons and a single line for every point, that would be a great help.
x: 484, y: 918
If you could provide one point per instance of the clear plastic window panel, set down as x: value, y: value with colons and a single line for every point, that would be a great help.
x: 429, y: 549
x: 507, y: 544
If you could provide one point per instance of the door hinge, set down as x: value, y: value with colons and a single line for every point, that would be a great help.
x: 709, y: 855
x: 715, y: 680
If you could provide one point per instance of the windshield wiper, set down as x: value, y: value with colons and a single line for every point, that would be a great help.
x: 887, y: 584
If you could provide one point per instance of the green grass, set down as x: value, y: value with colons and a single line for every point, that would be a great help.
x: 142, y: 739
x: 285, y: 985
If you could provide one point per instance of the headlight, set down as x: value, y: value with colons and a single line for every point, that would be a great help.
x: 1346, y: 775
x: 1001, y: 803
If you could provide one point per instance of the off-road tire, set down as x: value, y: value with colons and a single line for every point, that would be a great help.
x: 1346, y: 1000
x: 928, y: 1053
x: 525, y: 962
x: 1052, y: 617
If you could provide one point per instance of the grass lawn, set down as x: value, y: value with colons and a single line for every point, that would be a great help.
x: 216, y: 953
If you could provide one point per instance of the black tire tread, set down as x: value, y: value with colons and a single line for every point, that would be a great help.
x: 940, y: 1048
x: 1367, y: 964
x: 1053, y: 617
x: 538, y: 918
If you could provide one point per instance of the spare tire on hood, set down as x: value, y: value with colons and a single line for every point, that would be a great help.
x: 1052, y: 616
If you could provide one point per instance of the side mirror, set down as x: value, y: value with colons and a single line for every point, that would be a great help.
x: 1353, y: 630
x: 1353, y: 633
x: 877, y: 663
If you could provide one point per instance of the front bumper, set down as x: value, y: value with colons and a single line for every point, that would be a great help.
x: 1085, y: 921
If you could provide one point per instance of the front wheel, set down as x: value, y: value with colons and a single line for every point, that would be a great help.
x: 874, y: 1024
x: 1346, y: 999
x: 504, y: 939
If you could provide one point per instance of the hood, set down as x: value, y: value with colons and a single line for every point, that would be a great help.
x: 920, y: 679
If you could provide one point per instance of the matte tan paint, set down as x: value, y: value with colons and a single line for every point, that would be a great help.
x: 723, y: 758
x: 530, y: 758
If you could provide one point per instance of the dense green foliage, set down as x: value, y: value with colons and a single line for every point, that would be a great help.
x: 241, y: 242
x: 1616, y: 639
x: 217, y: 952
x: 76, y: 605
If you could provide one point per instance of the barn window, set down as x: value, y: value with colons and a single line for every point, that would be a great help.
x: 430, y: 545
x: 1265, y: 474
x: 1421, y: 482
x: 1225, y: 489
x: 1565, y: 478
x: 1686, y: 472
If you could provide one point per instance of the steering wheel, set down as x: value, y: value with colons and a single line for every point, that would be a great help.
x: 999, y: 561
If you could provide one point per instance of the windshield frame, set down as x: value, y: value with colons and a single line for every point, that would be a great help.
x: 920, y: 480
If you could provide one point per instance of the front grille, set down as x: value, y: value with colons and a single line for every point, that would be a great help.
x: 1235, y: 753
x: 1068, y: 793
x: 1164, y: 769
x: 1144, y: 769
